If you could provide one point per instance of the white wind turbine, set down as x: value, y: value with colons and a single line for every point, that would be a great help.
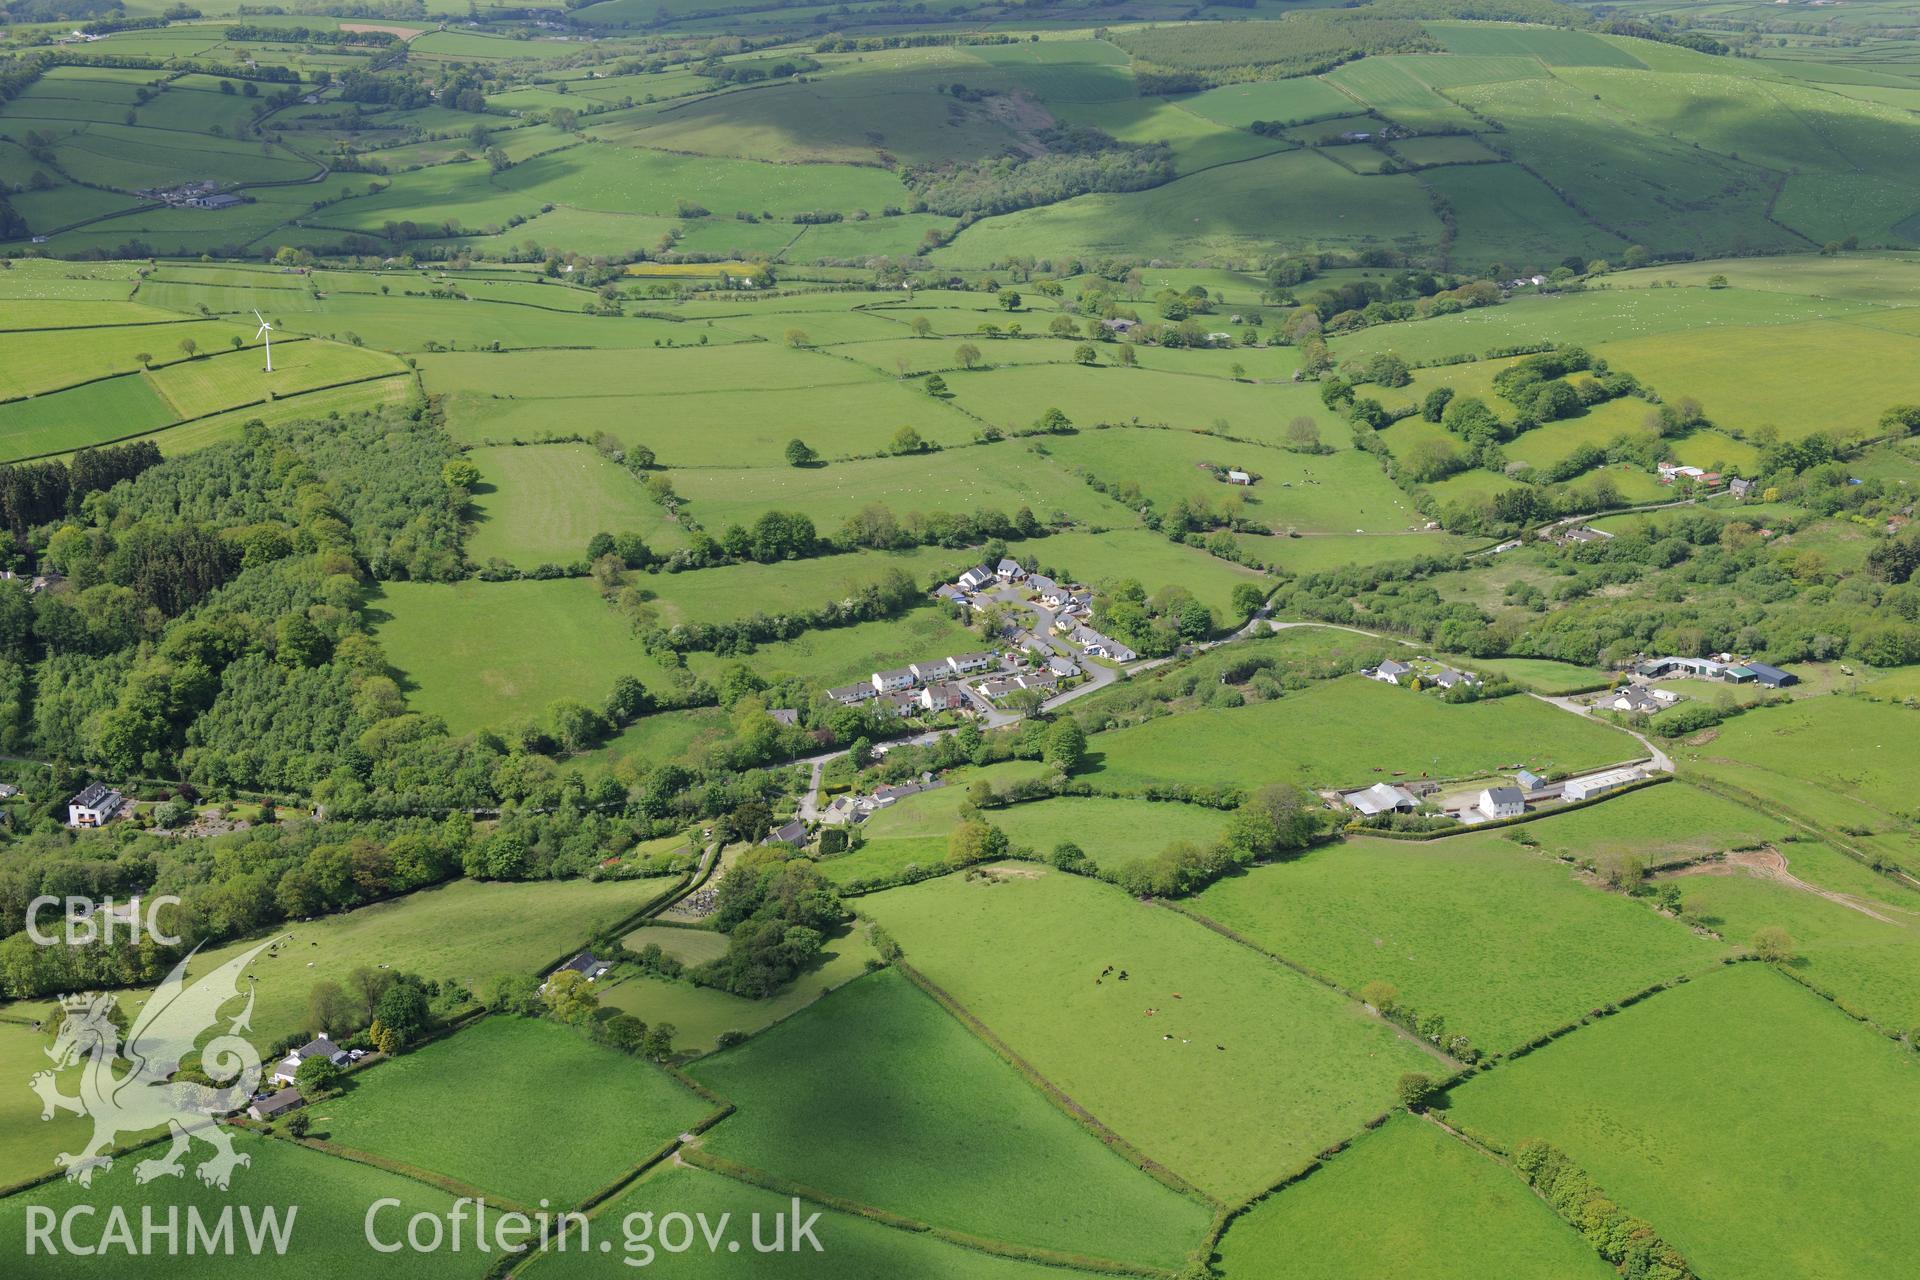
x: 265, y: 331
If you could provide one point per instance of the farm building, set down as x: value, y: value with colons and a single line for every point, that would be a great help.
x: 1502, y: 802
x: 1381, y: 798
x: 1598, y: 784
x: 95, y: 806
x: 1772, y: 677
x: 1529, y: 780
x: 276, y: 1104
x: 1238, y: 477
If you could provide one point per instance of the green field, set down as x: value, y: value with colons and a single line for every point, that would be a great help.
x: 700, y: 1014
x: 1843, y: 762
x: 479, y: 654
x: 1332, y: 493
x: 1503, y: 943
x: 1104, y: 560
x: 880, y: 1067
x: 1353, y: 732
x: 1112, y: 833
x: 1688, y: 1107
x: 332, y: 1195
x: 1406, y: 1191
x: 615, y: 1111
x: 1242, y: 1070
x: 542, y: 504
x: 851, y: 1247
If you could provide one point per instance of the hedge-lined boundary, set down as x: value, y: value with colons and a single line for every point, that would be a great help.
x: 1314, y: 1164
x: 1859, y: 1016
x: 1740, y: 795
x: 1058, y: 1096
x: 439, y: 1181
x: 1494, y: 824
x: 1312, y: 975
x: 702, y: 1159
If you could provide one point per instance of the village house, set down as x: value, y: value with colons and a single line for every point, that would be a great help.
x: 1502, y: 802
x: 786, y: 716
x: 1739, y: 488
x: 1640, y: 699
x: 1381, y: 798
x: 1447, y: 678
x: 1586, y: 533
x: 902, y: 702
x: 1065, y: 668
x: 587, y: 965
x: 1389, y: 671
x: 963, y: 663
x: 1052, y: 594
x: 793, y: 833
x: 948, y: 593
x: 1009, y: 570
x: 95, y: 806
x: 943, y: 697
x: 321, y: 1046
x: 928, y: 670
x: 994, y: 690
x: 976, y: 578
x: 849, y: 694
x: 891, y: 681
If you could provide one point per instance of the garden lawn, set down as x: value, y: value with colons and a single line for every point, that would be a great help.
x: 1352, y: 732
x: 1211, y: 1059
x: 479, y: 654
x: 1761, y: 1132
x: 327, y: 1232
x: 1503, y: 943
x: 614, y: 1112
x: 1407, y: 1191
x: 879, y: 1095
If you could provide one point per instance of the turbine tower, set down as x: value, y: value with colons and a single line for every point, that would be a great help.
x: 265, y: 331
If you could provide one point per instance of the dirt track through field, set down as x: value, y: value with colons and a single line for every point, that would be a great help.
x: 1771, y: 864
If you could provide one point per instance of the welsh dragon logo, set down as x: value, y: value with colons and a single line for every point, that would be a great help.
x: 144, y: 1097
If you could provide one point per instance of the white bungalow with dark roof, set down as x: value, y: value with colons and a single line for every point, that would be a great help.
x: 1390, y: 671
x: 321, y: 1046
